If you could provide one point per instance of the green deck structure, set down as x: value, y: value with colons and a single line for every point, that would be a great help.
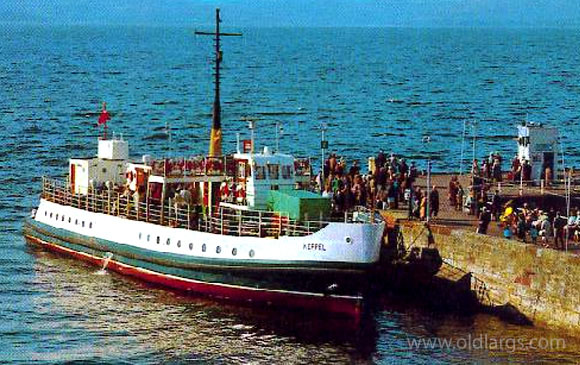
x: 298, y: 204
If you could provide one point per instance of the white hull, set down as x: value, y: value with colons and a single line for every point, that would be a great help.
x: 348, y: 243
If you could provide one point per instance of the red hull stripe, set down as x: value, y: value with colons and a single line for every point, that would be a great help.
x: 349, y: 305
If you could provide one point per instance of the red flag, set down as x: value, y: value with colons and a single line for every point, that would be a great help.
x: 104, y: 117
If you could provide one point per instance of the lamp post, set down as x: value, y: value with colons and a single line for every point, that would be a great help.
x: 251, y: 126
x: 474, y: 126
x: 568, y: 186
x: 323, y: 146
x: 426, y: 140
x: 279, y: 132
x: 462, y: 148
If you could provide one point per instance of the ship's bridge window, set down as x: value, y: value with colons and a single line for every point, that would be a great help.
x: 286, y: 172
x: 274, y: 171
x: 260, y: 172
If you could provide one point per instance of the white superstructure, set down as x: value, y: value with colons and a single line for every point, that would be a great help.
x: 538, y: 145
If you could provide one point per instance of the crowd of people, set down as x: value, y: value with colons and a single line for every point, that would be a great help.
x: 388, y: 182
x: 546, y: 227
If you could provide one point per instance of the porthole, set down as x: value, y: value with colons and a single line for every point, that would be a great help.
x: 76, y: 222
x: 203, y: 247
x: 348, y: 239
x: 140, y: 235
x: 62, y: 219
x: 69, y: 219
x: 90, y: 225
x: 56, y: 216
x: 178, y: 243
x: 191, y: 246
x: 168, y: 242
x: 218, y: 249
x: 252, y: 253
x: 83, y: 224
x: 148, y: 237
x: 158, y: 239
x: 50, y: 215
x: 234, y: 251
x: 45, y: 213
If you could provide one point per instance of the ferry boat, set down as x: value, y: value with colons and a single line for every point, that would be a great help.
x: 239, y: 226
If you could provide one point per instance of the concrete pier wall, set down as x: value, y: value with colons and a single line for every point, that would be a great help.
x: 541, y: 284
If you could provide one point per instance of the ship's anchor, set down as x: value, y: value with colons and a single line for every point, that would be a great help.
x: 106, y: 259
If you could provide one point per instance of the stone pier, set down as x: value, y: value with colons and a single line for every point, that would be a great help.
x: 540, y: 285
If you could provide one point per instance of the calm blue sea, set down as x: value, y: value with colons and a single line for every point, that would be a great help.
x: 374, y: 89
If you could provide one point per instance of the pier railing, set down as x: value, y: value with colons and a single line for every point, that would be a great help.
x: 225, y: 220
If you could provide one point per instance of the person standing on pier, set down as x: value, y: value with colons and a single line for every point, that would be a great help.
x: 496, y: 205
x: 434, y: 201
x: 559, y: 224
x: 484, y: 219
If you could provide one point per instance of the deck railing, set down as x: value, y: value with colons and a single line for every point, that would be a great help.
x: 226, y: 221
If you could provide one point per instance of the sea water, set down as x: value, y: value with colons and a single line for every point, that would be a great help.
x: 373, y: 88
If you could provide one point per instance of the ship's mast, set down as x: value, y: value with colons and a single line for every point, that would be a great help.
x: 215, y: 143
